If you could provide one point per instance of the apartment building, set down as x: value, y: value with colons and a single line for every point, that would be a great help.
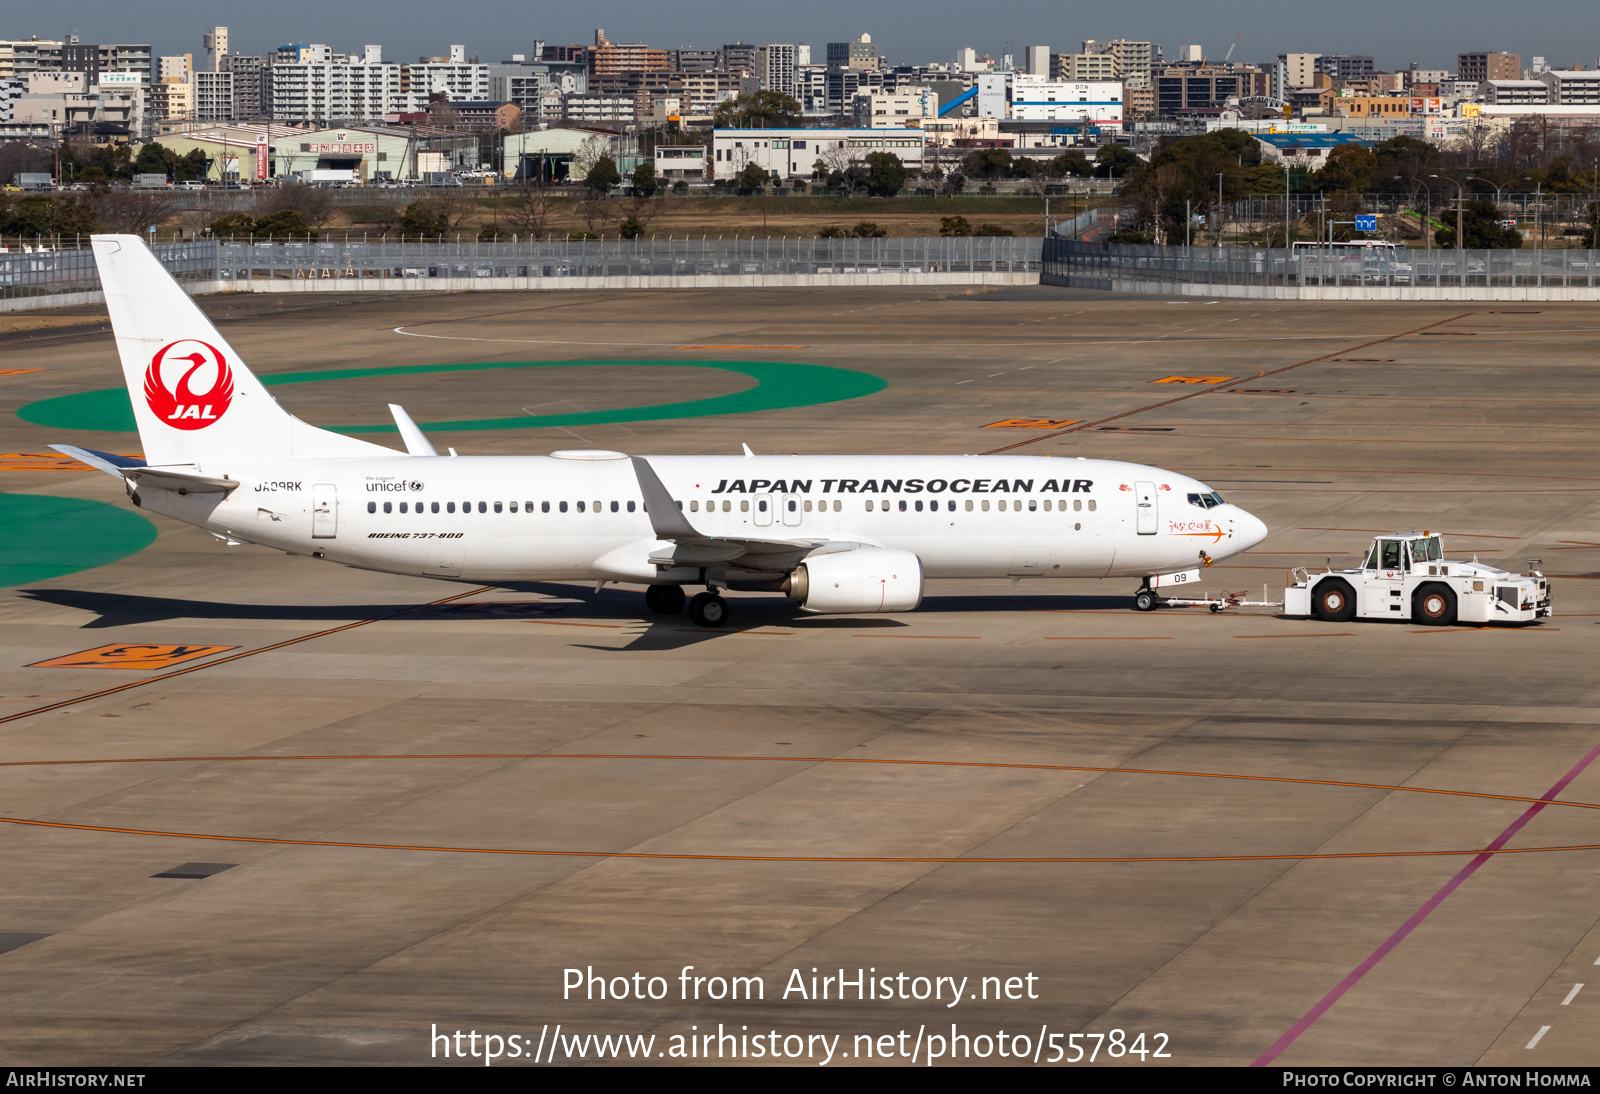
x: 1346, y: 66
x: 1085, y: 67
x: 1572, y: 87
x: 457, y: 79
x: 252, y: 92
x: 1478, y: 67
x: 327, y: 92
x: 857, y: 53
x: 1135, y: 60
x: 212, y: 96
x: 777, y: 68
x: 1513, y: 92
x: 1298, y: 70
x: 608, y: 58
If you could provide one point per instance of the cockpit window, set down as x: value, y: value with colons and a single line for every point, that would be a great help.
x: 1206, y: 501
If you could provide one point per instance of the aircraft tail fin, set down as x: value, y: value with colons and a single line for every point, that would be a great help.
x: 195, y: 401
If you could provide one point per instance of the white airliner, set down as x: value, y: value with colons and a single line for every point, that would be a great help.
x: 838, y: 534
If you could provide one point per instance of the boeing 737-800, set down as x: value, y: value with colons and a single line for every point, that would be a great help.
x: 838, y: 534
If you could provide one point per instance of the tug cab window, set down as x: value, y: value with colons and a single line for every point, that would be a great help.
x: 1391, y: 554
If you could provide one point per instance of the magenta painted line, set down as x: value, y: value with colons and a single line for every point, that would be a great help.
x: 1377, y: 955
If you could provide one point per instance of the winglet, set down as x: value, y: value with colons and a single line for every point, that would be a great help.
x: 109, y: 462
x: 417, y: 443
x: 746, y: 448
x: 666, y: 519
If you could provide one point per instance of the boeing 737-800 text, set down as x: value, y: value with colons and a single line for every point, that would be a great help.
x: 838, y: 534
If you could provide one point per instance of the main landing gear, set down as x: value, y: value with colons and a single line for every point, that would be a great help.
x: 664, y: 599
x: 707, y: 609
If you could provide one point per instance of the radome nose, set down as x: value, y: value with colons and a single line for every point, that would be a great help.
x: 1251, y: 530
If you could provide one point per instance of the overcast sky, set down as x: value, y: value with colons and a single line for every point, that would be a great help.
x: 1565, y: 31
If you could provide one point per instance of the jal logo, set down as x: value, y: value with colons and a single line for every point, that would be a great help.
x: 188, y: 384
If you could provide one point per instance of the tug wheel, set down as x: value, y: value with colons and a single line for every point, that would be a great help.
x: 1433, y: 606
x: 1334, y: 601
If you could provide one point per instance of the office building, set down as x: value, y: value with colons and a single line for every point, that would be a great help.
x: 901, y: 110
x: 793, y: 153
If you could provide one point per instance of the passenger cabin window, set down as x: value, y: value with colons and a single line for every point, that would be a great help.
x: 497, y: 508
x: 449, y: 507
x: 372, y: 507
x: 483, y: 507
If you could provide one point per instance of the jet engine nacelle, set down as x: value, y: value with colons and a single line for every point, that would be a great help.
x: 868, y: 579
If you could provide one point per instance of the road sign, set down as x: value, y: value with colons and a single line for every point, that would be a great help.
x: 1366, y: 222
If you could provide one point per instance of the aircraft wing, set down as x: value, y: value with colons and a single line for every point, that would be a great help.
x: 690, y: 547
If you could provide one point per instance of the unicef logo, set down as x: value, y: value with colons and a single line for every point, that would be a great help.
x: 414, y: 486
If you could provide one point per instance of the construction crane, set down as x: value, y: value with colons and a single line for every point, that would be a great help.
x: 1231, y: 48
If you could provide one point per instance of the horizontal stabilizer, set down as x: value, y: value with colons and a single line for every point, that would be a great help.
x: 109, y: 462
x: 179, y: 482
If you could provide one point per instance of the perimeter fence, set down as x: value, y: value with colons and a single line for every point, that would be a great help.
x: 1366, y: 271
x: 41, y: 273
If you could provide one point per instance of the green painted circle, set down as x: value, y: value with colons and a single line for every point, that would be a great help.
x: 778, y: 385
x: 43, y: 537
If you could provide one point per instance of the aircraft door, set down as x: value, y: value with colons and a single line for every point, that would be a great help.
x: 791, y: 509
x: 324, y: 511
x: 1144, y: 496
x: 764, y: 504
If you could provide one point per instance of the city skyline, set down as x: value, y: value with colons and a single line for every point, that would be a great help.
x: 408, y: 29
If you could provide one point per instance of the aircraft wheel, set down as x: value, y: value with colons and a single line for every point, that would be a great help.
x: 1145, y: 601
x: 1433, y: 605
x: 708, y: 610
x: 664, y: 599
x: 1334, y: 601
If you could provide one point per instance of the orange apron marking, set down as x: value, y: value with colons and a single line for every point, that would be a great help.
x: 1032, y: 423
x: 130, y: 656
